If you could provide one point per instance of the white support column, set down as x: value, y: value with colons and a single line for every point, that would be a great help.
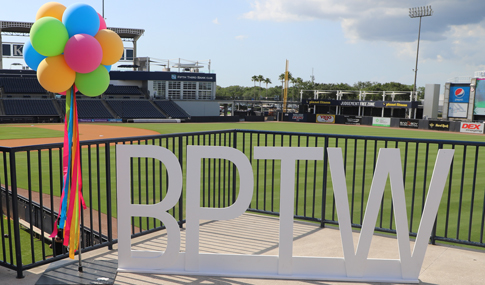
x: 383, y: 99
x: 166, y: 90
x: 1, y: 55
x: 197, y: 90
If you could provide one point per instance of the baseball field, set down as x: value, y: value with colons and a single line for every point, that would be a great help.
x: 461, y: 211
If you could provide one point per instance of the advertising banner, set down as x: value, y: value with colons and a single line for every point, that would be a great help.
x: 381, y: 122
x: 460, y: 93
x: 458, y: 110
x: 352, y: 120
x: 479, y: 108
x: 474, y: 128
x: 408, y: 123
x: 358, y: 103
x: 354, y: 103
x: 297, y: 117
x: 322, y: 118
x: 100, y: 120
x: 439, y: 125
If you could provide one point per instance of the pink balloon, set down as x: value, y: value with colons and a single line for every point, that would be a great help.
x: 64, y: 93
x: 102, y: 22
x: 83, y: 53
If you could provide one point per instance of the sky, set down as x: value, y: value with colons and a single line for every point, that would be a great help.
x: 338, y: 41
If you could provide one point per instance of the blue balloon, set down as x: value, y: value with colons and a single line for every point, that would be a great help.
x: 108, y: 67
x: 81, y: 19
x: 31, y: 56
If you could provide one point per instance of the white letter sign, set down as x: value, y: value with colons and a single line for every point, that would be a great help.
x: 355, y: 264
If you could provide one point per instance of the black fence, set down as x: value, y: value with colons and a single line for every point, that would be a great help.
x: 31, y: 179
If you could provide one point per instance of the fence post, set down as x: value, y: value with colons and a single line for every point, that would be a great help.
x: 108, y: 194
x: 181, y: 198
x: 15, y: 209
x: 234, y: 169
x: 433, y: 232
x: 324, y: 188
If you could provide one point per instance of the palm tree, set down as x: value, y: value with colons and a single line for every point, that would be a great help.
x: 298, y: 82
x: 267, y: 81
x: 260, y: 79
x: 254, y: 79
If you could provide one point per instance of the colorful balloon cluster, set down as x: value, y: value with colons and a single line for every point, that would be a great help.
x: 72, y: 46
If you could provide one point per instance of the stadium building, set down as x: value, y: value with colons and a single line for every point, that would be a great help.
x: 134, y: 92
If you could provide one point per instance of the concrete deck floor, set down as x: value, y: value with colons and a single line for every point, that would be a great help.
x: 257, y: 235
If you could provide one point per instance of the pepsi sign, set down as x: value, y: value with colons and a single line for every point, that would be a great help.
x: 460, y: 93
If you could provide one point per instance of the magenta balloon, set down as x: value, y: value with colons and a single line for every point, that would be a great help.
x: 102, y: 22
x: 83, y: 53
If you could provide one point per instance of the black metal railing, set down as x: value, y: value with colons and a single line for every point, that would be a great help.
x: 32, y: 177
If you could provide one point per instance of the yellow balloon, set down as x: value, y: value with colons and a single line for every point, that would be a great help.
x: 51, y: 9
x: 55, y: 75
x: 112, y: 46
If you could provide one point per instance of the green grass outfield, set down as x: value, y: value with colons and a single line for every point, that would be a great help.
x: 464, y: 198
x: 308, y: 128
x: 16, y: 132
x: 26, y: 242
x: 10, y: 132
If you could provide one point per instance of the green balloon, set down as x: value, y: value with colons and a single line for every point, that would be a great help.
x: 94, y: 83
x: 48, y: 36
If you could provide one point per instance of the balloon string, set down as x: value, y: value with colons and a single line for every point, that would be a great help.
x: 67, y: 160
x: 66, y: 164
x: 72, y: 228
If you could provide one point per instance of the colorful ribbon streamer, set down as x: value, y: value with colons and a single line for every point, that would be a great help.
x: 71, y: 196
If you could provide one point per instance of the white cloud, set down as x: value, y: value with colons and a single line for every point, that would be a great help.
x: 385, y: 20
x: 215, y: 21
x: 241, y: 37
x: 456, y: 30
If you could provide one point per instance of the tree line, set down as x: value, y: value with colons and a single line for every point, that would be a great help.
x: 296, y: 84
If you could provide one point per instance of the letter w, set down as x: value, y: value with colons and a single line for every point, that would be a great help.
x: 388, y: 164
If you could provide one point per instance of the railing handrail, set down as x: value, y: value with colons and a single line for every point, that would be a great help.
x: 150, y: 137
x: 98, y: 156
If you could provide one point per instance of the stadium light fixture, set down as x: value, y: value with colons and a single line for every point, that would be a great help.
x: 419, y: 12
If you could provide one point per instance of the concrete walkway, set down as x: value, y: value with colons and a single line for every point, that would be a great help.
x: 256, y: 235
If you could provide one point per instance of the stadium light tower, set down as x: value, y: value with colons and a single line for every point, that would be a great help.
x: 419, y: 12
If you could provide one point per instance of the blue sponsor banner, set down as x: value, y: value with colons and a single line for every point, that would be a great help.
x: 460, y: 93
x: 162, y: 75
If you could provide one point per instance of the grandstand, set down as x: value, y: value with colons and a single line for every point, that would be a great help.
x: 133, y: 109
x: 172, y: 109
x: 130, y: 95
x: 21, y: 85
x: 33, y: 107
x: 135, y: 93
x: 89, y: 109
x: 123, y: 90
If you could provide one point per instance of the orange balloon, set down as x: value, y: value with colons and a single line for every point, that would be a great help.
x: 112, y: 46
x: 55, y: 75
x: 51, y: 9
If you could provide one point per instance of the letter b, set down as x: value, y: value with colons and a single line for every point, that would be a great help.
x: 145, y: 260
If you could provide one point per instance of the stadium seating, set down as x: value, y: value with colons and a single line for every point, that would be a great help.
x: 21, y: 85
x: 122, y: 90
x: 131, y: 109
x: 89, y: 109
x: 35, y: 107
x: 172, y: 109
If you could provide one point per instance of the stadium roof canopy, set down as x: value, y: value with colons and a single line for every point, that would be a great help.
x: 12, y: 28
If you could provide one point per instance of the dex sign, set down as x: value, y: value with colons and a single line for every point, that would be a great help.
x: 475, y: 128
x: 354, y: 266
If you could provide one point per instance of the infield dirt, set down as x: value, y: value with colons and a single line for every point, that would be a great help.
x: 86, y: 132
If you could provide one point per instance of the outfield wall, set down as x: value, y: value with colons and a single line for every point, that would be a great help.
x: 435, y: 125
